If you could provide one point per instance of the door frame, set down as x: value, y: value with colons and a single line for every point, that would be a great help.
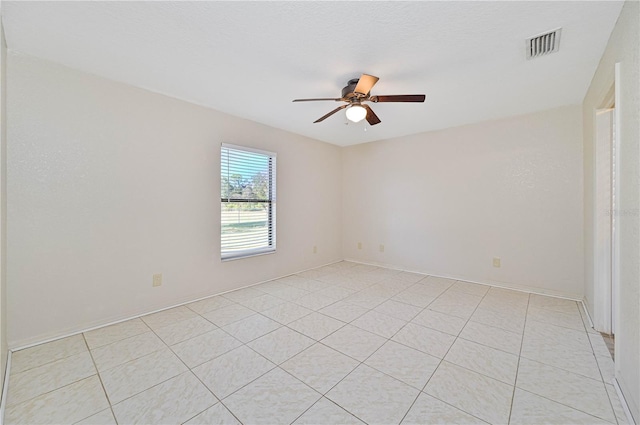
x: 606, y: 296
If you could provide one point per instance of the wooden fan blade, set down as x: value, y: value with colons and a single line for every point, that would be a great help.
x: 313, y: 100
x: 372, y: 118
x: 365, y: 83
x: 324, y: 117
x: 398, y: 98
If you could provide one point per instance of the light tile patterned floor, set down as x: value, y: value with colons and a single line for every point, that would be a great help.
x: 345, y: 343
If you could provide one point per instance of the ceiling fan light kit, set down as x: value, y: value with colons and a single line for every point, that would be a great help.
x: 356, y: 113
x: 357, y: 91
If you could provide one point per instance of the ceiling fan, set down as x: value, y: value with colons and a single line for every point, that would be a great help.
x: 355, y: 93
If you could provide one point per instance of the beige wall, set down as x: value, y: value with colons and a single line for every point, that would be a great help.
x: 447, y: 202
x: 109, y: 184
x: 624, y: 48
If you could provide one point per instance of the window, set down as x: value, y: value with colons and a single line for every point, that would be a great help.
x: 247, y: 202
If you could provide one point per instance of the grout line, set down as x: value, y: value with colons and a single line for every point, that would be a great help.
x: 101, y: 383
x: 442, y: 401
x: 46, y: 363
x: 199, y: 413
x: 441, y: 359
x: 575, y: 373
x: 190, y: 370
x: 59, y: 388
x: 595, y: 357
x: 580, y: 374
x: 623, y: 401
x: 418, y: 396
x: 489, y: 346
x: 115, y: 322
x: 166, y: 346
x: 275, y: 366
x: 332, y: 402
x: 567, y: 406
x: 465, y: 323
x: 266, y: 281
x: 360, y: 363
x: 365, y: 288
x: 526, y: 291
x: 309, y: 336
x: 250, y: 348
x: 5, y: 387
x: 322, y: 396
x: 135, y: 356
x: 515, y: 382
x: 611, y: 402
x: 604, y: 384
x: 558, y: 325
x: 33, y: 397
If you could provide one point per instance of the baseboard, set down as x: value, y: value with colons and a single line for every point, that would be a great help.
x: 502, y: 285
x: 21, y: 345
x: 531, y: 290
x: 623, y: 401
x: 586, y: 312
x: 5, y: 387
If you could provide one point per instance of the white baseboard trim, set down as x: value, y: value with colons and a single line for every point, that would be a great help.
x: 22, y: 346
x: 124, y: 319
x: 623, y: 401
x: 586, y: 312
x: 5, y: 387
x: 502, y: 285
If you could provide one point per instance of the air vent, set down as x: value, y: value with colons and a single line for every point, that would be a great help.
x: 543, y: 44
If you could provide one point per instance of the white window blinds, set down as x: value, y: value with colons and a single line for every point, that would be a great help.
x: 248, y: 202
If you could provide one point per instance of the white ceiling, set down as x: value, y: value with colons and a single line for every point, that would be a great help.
x: 250, y: 59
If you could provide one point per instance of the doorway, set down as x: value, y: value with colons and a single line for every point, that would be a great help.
x: 606, y: 231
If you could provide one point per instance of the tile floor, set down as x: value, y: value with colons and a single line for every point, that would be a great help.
x: 343, y: 344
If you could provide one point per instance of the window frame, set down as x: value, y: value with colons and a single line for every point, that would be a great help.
x: 271, y: 202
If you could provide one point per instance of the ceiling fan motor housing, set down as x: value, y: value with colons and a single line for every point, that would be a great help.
x: 347, y: 92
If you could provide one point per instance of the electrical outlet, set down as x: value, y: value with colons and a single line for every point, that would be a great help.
x: 315, y: 249
x: 157, y: 279
x: 496, y: 262
x: 381, y: 247
x: 359, y: 245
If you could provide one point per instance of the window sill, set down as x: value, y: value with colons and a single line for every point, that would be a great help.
x: 253, y: 254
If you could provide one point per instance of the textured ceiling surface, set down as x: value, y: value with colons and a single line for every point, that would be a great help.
x: 250, y: 59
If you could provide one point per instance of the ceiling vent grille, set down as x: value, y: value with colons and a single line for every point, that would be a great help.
x: 543, y: 44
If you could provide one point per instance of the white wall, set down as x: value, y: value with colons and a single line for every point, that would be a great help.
x: 447, y: 202
x: 108, y: 184
x: 623, y: 47
x: 3, y: 205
